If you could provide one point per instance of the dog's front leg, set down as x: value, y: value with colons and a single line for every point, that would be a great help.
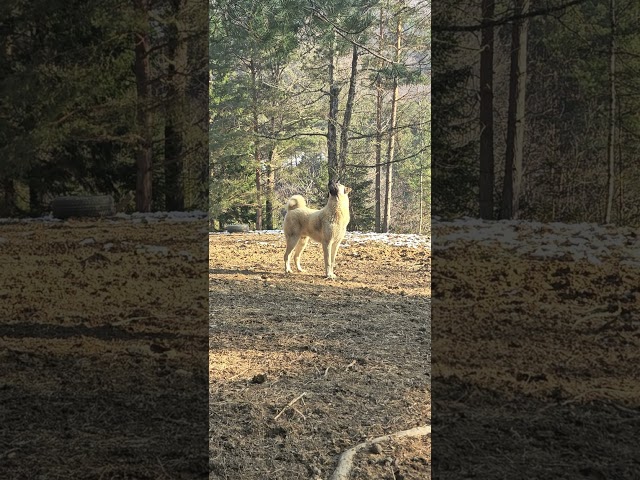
x: 328, y: 266
x: 334, y: 252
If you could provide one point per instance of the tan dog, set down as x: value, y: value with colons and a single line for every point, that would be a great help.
x: 327, y: 226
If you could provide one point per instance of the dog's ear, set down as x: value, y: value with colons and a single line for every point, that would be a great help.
x: 333, y: 188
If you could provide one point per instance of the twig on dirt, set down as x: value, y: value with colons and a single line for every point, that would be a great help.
x: 238, y: 374
x: 162, y: 467
x: 289, y: 404
x: 598, y: 313
x: 606, y: 325
x: 128, y: 320
x: 6, y: 453
x: 176, y: 421
x: 350, y: 365
x: 624, y: 409
x: 345, y: 461
x: 298, y: 412
x: 326, y: 371
x: 453, y: 279
x: 581, y: 396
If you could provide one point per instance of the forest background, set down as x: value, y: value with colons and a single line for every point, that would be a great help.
x: 304, y: 90
x: 535, y: 110
x: 104, y: 97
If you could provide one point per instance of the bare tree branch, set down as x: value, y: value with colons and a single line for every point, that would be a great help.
x: 532, y: 13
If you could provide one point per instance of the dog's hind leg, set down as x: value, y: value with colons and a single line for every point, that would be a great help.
x: 297, y: 254
x: 291, y: 244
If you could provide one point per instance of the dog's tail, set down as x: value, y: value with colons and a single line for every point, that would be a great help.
x: 297, y: 201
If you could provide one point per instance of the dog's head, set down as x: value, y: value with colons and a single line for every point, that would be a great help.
x: 336, y: 188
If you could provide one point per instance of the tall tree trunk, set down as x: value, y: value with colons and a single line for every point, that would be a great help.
x: 621, y: 212
x: 258, y: 191
x: 348, y: 110
x: 612, y: 114
x: 379, y: 98
x: 144, y: 117
x: 486, y: 113
x: 9, y: 197
x: 421, y: 198
x: 332, y: 139
x: 516, y: 114
x: 276, y: 72
x: 256, y: 144
x: 175, y: 105
x: 35, y: 194
x: 270, y: 185
x: 392, y: 138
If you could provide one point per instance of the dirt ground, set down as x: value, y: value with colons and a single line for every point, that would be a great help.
x: 303, y: 368
x: 103, y: 350
x: 535, y: 366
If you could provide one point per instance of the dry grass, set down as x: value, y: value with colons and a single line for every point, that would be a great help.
x: 358, y: 348
x: 535, y: 367
x: 103, y: 351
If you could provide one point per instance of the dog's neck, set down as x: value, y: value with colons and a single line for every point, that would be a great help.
x: 339, y: 203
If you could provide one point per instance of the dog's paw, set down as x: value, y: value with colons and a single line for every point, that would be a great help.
x: 331, y: 276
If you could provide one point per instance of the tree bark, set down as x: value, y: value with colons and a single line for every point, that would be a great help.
x: 269, y: 190
x: 332, y: 140
x: 612, y: 114
x: 35, y: 193
x: 379, y: 105
x: 421, y: 199
x: 486, y: 113
x: 175, y: 107
x: 392, y: 138
x: 144, y: 117
x: 256, y: 143
x: 516, y: 114
x: 9, y: 195
x: 348, y: 110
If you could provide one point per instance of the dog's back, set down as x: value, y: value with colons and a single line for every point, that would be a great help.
x: 297, y: 201
x: 296, y: 219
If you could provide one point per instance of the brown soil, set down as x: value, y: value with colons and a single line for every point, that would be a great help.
x: 401, y: 459
x: 358, y: 348
x: 535, y: 366
x: 99, y: 349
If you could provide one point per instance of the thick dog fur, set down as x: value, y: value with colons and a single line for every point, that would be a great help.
x: 327, y: 226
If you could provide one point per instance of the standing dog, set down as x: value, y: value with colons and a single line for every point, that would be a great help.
x: 327, y: 226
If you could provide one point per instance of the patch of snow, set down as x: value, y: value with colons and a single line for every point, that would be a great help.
x: 583, y: 241
x: 136, y: 217
x: 44, y: 219
x: 395, y: 239
x: 185, y: 254
x: 153, y: 249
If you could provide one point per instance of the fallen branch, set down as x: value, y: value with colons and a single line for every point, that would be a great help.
x: 289, y: 404
x: 600, y: 313
x: 345, y: 462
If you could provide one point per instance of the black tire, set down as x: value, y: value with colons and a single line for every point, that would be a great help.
x: 237, y: 228
x: 83, y: 206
